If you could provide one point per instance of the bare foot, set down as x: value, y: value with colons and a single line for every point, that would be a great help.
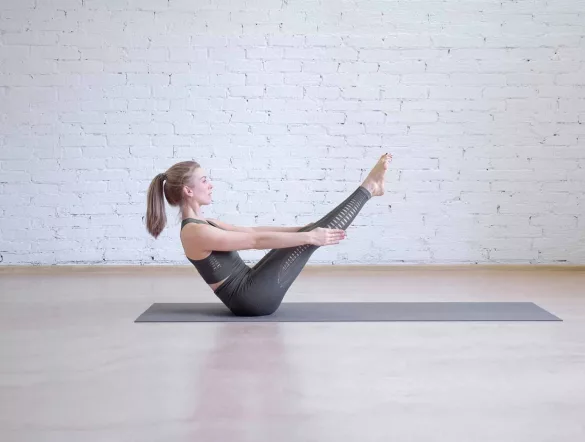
x: 374, y: 182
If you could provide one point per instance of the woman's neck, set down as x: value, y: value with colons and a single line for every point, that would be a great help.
x: 191, y: 212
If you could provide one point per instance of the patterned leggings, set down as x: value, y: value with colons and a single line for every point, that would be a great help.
x: 259, y: 290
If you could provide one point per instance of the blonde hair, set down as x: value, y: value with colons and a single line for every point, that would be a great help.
x: 169, y: 183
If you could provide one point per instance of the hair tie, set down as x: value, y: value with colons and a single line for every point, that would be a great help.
x: 164, y: 176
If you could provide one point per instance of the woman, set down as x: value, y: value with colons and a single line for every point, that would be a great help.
x: 211, y: 245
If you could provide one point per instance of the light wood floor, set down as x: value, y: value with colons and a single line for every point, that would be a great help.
x: 75, y: 367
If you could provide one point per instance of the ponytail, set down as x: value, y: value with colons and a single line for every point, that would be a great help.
x: 156, y: 218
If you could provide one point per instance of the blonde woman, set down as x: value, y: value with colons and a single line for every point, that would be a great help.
x: 212, y: 246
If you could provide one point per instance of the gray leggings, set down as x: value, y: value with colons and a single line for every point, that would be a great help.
x: 259, y: 290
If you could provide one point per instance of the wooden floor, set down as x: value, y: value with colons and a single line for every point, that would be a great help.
x: 75, y: 367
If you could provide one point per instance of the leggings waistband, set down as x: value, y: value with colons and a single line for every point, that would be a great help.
x: 233, y: 282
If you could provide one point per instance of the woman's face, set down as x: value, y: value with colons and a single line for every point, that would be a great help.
x: 201, y: 186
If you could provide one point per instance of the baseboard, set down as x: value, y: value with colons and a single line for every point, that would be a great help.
x: 169, y: 269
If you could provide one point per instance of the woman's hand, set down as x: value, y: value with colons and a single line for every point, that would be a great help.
x: 326, y: 237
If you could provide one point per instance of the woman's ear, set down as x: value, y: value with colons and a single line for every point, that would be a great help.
x: 187, y: 191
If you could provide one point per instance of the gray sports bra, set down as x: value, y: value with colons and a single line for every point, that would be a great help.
x: 218, y: 265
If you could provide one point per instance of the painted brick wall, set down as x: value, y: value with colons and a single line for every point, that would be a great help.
x: 287, y: 104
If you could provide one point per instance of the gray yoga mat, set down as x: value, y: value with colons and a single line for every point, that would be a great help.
x: 354, y: 312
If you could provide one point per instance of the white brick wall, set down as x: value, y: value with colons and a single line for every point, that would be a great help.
x: 287, y: 104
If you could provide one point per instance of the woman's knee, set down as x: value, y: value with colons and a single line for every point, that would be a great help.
x: 307, y: 228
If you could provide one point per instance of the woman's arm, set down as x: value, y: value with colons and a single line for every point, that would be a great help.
x: 275, y: 229
x: 227, y: 226
x: 209, y: 238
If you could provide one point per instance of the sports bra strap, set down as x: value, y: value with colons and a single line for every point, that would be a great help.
x: 197, y: 221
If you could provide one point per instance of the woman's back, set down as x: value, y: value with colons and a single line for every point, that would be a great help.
x: 213, y: 266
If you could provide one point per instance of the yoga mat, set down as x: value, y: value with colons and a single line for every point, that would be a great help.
x: 354, y: 312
